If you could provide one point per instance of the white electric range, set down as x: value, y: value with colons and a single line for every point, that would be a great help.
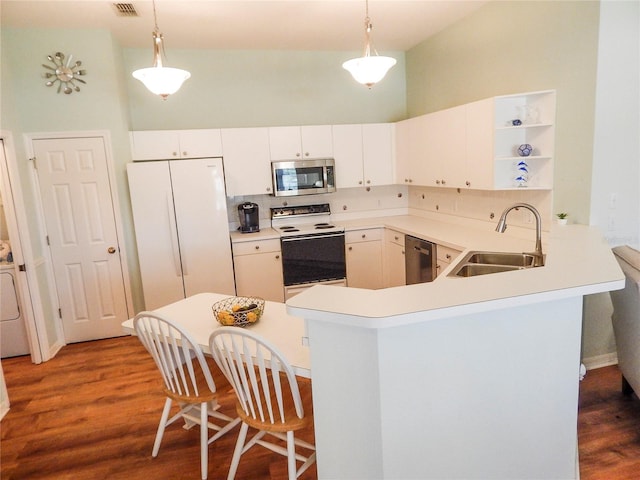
x: 313, y: 249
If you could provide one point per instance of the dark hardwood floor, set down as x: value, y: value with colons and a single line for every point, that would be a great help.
x: 92, y: 412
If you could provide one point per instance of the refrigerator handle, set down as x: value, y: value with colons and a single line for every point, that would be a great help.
x: 174, y: 235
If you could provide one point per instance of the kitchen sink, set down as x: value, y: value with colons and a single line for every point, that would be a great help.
x: 502, y: 258
x: 483, y: 263
x: 473, y: 269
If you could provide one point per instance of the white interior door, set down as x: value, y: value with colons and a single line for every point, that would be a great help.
x: 78, y: 208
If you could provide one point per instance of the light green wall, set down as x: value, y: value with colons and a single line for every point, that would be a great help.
x: 227, y: 89
x: 511, y: 47
x: 262, y: 88
x: 29, y: 106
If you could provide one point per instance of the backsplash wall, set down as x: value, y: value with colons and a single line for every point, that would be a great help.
x: 345, y: 203
x: 349, y: 203
x: 482, y: 204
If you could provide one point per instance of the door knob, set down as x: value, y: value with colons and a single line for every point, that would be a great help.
x: 111, y: 250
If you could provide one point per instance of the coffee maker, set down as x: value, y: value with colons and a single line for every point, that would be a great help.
x: 249, y: 217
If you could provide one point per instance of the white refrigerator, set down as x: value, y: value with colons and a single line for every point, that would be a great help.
x: 182, y: 232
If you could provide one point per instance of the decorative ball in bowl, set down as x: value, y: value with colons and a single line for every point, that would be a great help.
x: 238, y: 311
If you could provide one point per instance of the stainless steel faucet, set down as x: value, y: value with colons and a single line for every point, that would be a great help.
x: 502, y: 226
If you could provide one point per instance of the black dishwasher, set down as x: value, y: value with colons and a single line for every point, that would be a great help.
x: 420, y: 260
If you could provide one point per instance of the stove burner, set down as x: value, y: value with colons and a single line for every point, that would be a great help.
x: 322, y: 226
x: 289, y: 228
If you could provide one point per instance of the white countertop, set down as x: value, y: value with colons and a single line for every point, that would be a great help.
x: 578, y: 262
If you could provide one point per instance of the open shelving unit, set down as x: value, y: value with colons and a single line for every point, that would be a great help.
x: 536, y: 111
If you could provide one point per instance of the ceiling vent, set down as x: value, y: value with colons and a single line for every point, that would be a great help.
x: 125, y: 9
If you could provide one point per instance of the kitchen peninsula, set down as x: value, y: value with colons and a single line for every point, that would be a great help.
x: 462, y: 377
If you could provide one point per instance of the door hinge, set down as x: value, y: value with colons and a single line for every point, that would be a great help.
x: 35, y: 164
x: 60, y: 313
x: 22, y: 267
x: 48, y: 242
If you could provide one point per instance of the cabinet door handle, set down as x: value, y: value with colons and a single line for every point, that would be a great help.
x: 257, y: 247
x: 396, y: 237
x: 448, y: 256
x: 437, y: 182
x: 468, y: 183
x: 443, y: 182
x: 268, y: 189
x: 175, y: 154
x: 368, y: 181
x: 306, y: 154
x: 350, y: 248
x: 111, y: 250
x: 364, y: 235
x: 277, y: 257
x: 184, y: 154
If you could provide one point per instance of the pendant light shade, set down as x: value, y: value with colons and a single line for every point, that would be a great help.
x: 368, y: 69
x: 160, y: 80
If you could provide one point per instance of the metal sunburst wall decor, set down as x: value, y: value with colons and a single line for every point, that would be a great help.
x: 64, y: 73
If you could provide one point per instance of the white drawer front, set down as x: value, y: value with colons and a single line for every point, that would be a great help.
x: 368, y: 235
x: 394, y: 236
x: 258, y: 246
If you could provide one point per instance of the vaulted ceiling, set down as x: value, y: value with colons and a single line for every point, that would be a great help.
x: 239, y: 24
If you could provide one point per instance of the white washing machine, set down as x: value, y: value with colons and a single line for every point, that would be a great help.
x: 13, y: 335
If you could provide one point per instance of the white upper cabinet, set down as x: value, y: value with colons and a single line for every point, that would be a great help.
x: 347, y: 152
x: 402, y: 164
x: 247, y: 163
x: 479, y: 145
x: 475, y: 146
x: 173, y: 144
x: 410, y: 168
x: 377, y: 153
x: 290, y: 143
x: 364, y: 154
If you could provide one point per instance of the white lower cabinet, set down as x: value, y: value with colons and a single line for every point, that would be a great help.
x: 364, y: 258
x: 258, y: 269
x: 394, y: 263
x: 445, y: 255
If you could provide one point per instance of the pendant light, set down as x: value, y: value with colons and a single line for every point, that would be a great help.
x: 369, y: 69
x: 158, y: 79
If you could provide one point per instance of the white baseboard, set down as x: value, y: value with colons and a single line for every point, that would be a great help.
x: 600, y: 361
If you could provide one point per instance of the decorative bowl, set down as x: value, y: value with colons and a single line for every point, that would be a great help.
x: 238, y: 311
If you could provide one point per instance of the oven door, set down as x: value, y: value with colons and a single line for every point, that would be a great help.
x: 313, y: 258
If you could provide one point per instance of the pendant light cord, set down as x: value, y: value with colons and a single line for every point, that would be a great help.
x: 158, y: 44
x: 155, y: 16
x: 367, y: 32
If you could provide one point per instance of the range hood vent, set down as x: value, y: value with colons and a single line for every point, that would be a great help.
x: 125, y: 10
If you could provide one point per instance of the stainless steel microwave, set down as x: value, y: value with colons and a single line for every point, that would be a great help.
x: 303, y: 177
